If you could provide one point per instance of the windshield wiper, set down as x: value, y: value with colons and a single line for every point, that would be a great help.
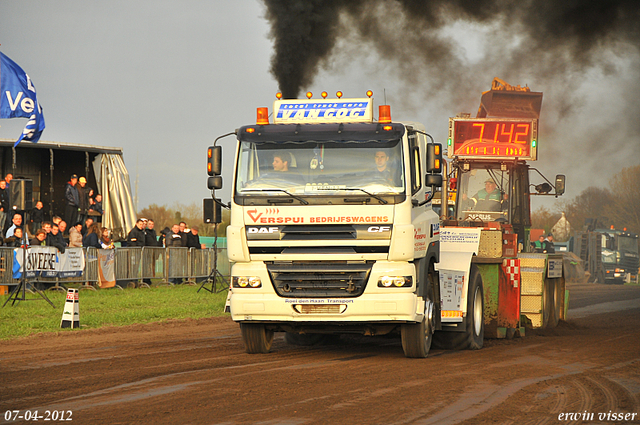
x: 379, y: 198
x: 302, y: 200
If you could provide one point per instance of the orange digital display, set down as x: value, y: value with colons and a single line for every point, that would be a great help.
x: 495, y: 138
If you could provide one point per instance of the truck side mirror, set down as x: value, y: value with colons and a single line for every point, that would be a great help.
x: 214, y: 160
x: 214, y: 182
x: 433, y: 180
x: 560, y: 179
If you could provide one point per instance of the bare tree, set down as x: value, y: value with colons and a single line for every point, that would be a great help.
x: 592, y: 203
x: 625, y: 203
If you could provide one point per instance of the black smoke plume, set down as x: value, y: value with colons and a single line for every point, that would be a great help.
x: 556, y: 37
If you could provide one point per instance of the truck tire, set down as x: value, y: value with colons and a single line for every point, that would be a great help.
x: 256, y: 338
x: 473, y: 336
x: 417, y: 337
x: 554, y: 298
x: 303, y: 340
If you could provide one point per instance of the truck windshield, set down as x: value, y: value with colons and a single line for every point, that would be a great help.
x: 483, y: 195
x: 628, y: 244
x: 314, y: 168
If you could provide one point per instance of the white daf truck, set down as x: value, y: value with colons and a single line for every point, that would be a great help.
x: 331, y: 228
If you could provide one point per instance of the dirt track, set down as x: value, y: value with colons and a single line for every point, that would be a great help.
x: 197, y: 372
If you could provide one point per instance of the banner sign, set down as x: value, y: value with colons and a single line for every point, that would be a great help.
x: 322, y: 110
x: 18, y: 99
x: 47, y: 261
x: 106, y: 268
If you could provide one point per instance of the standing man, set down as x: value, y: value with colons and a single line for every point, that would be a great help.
x: 137, y: 235
x: 193, y: 240
x: 37, y: 216
x: 4, y: 204
x: 183, y: 233
x: 55, y: 238
x: 95, y: 209
x: 83, y: 197
x: 62, y: 226
x: 174, y: 237
x: 72, y: 200
x: 17, y: 222
x: 7, y: 182
x: 151, y: 237
x: 549, y: 248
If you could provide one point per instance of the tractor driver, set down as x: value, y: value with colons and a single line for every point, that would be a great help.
x: 489, y: 198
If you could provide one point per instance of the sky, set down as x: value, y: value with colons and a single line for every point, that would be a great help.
x: 163, y: 79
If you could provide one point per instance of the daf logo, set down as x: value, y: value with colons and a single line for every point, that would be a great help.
x: 268, y: 230
x: 378, y: 229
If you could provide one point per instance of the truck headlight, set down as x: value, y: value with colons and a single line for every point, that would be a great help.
x: 395, y: 281
x: 247, y: 282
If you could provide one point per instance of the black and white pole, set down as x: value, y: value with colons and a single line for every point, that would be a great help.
x: 71, y: 312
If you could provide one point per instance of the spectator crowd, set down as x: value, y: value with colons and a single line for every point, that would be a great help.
x: 144, y: 234
x: 28, y: 228
x: 81, y: 226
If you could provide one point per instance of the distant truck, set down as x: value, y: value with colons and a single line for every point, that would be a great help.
x: 332, y: 230
x: 619, y: 255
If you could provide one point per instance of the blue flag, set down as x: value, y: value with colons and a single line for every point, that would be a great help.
x: 18, y: 99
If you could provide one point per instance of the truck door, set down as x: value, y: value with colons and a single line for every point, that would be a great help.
x: 519, y: 202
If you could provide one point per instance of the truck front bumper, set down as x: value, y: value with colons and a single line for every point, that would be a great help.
x: 376, y: 304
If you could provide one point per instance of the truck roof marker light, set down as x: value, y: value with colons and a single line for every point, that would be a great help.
x: 387, y: 127
x: 262, y: 116
x: 278, y: 95
x: 309, y: 95
x: 339, y: 94
x: 250, y: 130
x: 612, y: 228
x: 369, y: 94
x: 384, y: 114
x: 324, y: 94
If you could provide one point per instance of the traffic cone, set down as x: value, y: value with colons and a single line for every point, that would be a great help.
x: 71, y: 313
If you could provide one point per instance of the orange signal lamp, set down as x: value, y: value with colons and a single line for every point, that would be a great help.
x: 324, y: 94
x: 309, y: 95
x: 251, y: 130
x: 339, y: 94
x: 278, y: 95
x: 262, y: 116
x: 612, y: 227
x: 369, y: 94
x: 387, y: 127
x: 384, y: 114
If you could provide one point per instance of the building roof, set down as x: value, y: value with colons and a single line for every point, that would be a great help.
x: 42, y: 144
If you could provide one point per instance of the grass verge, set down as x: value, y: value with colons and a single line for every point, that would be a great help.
x: 109, y: 307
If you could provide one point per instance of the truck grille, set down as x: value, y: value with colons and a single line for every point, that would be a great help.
x: 318, y: 232
x: 319, y: 280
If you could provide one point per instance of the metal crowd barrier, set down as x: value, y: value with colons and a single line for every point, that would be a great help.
x: 133, y: 266
x: 178, y: 264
